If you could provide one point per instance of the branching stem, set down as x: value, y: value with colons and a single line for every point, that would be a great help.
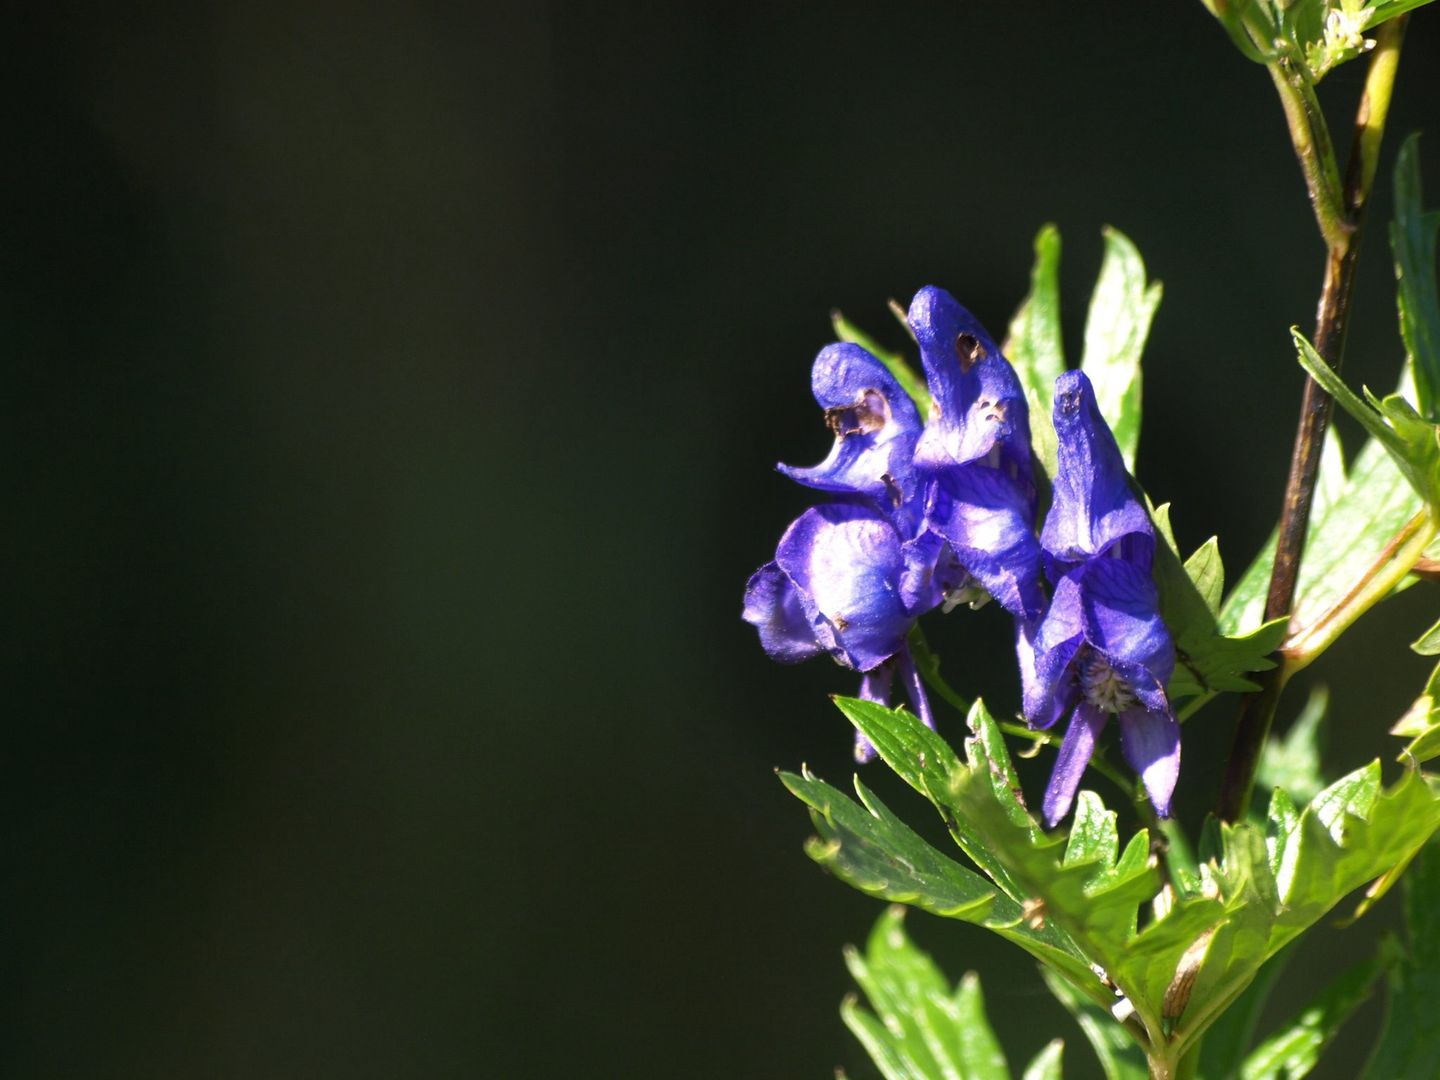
x: 1339, y: 217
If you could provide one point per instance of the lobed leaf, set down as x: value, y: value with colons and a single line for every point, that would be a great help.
x: 1121, y: 309
x: 1208, y: 660
x: 920, y: 1030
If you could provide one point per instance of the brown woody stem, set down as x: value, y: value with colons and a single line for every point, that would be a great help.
x: 1340, y: 227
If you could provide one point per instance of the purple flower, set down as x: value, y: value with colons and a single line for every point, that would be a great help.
x: 975, y: 454
x: 842, y: 583
x: 849, y: 579
x: 1102, y: 647
x: 875, y: 423
x: 1095, y: 511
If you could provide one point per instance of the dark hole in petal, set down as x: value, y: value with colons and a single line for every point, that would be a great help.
x: 969, y: 349
x: 867, y: 415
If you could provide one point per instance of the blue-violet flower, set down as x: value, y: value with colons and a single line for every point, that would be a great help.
x: 1101, y: 647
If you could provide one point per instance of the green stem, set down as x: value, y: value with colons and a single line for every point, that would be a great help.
x: 1310, y: 136
x: 1397, y: 560
x: 1339, y: 219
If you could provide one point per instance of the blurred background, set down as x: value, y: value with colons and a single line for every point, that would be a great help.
x: 394, y: 395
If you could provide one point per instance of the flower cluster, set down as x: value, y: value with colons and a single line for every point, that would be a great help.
x: 940, y: 512
x: 928, y: 514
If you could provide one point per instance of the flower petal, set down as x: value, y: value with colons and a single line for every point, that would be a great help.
x: 1094, y: 508
x: 989, y: 521
x: 875, y: 425
x: 1151, y: 742
x: 846, y: 562
x: 914, y: 687
x: 1051, y: 692
x: 1075, y: 751
x: 874, y: 686
x: 931, y: 573
x: 977, y: 399
x: 1122, y: 620
x: 772, y: 605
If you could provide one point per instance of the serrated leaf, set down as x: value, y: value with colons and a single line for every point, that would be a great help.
x: 910, y: 380
x: 1409, y: 1044
x: 872, y: 850
x: 1208, y: 661
x: 1353, y: 518
x: 1208, y: 573
x: 1121, y: 309
x: 1035, y: 348
x: 1412, y: 240
x: 1295, y: 1048
x: 1046, y: 1065
x: 1093, y: 834
x: 1293, y: 762
x: 1428, y: 644
x: 1421, y: 723
x: 922, y: 1030
x: 1120, y: 1056
x: 1393, y: 423
x: 1230, y: 1036
x: 877, y: 853
x: 1274, y: 887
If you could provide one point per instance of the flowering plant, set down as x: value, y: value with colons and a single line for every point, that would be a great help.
x: 1005, y: 475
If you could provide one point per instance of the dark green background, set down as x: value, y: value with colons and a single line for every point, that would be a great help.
x: 392, y: 400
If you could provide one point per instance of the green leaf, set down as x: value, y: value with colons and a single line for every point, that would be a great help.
x: 1230, y: 1036
x: 872, y: 850
x: 1208, y: 573
x: 1121, y: 309
x: 1046, y: 1064
x: 1409, y: 1044
x: 1352, y: 520
x: 1293, y: 763
x: 1245, y: 606
x: 922, y: 1030
x: 1208, y: 660
x: 1249, y: 25
x: 1428, y: 644
x: 1274, y: 887
x: 1074, y: 903
x: 1035, y: 348
x: 1412, y: 239
x: 909, y: 379
x: 1392, y: 422
x: 1421, y: 723
x: 877, y: 853
x: 1120, y: 1056
x: 1294, y: 1050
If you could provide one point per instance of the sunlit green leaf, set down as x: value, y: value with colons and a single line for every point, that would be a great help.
x: 1392, y: 422
x: 1293, y: 762
x: 1208, y: 660
x: 1295, y: 1048
x: 1120, y: 1056
x: 1046, y: 1064
x: 1035, y: 348
x: 922, y: 1029
x: 1121, y: 309
x: 1229, y: 1038
x: 1412, y: 239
